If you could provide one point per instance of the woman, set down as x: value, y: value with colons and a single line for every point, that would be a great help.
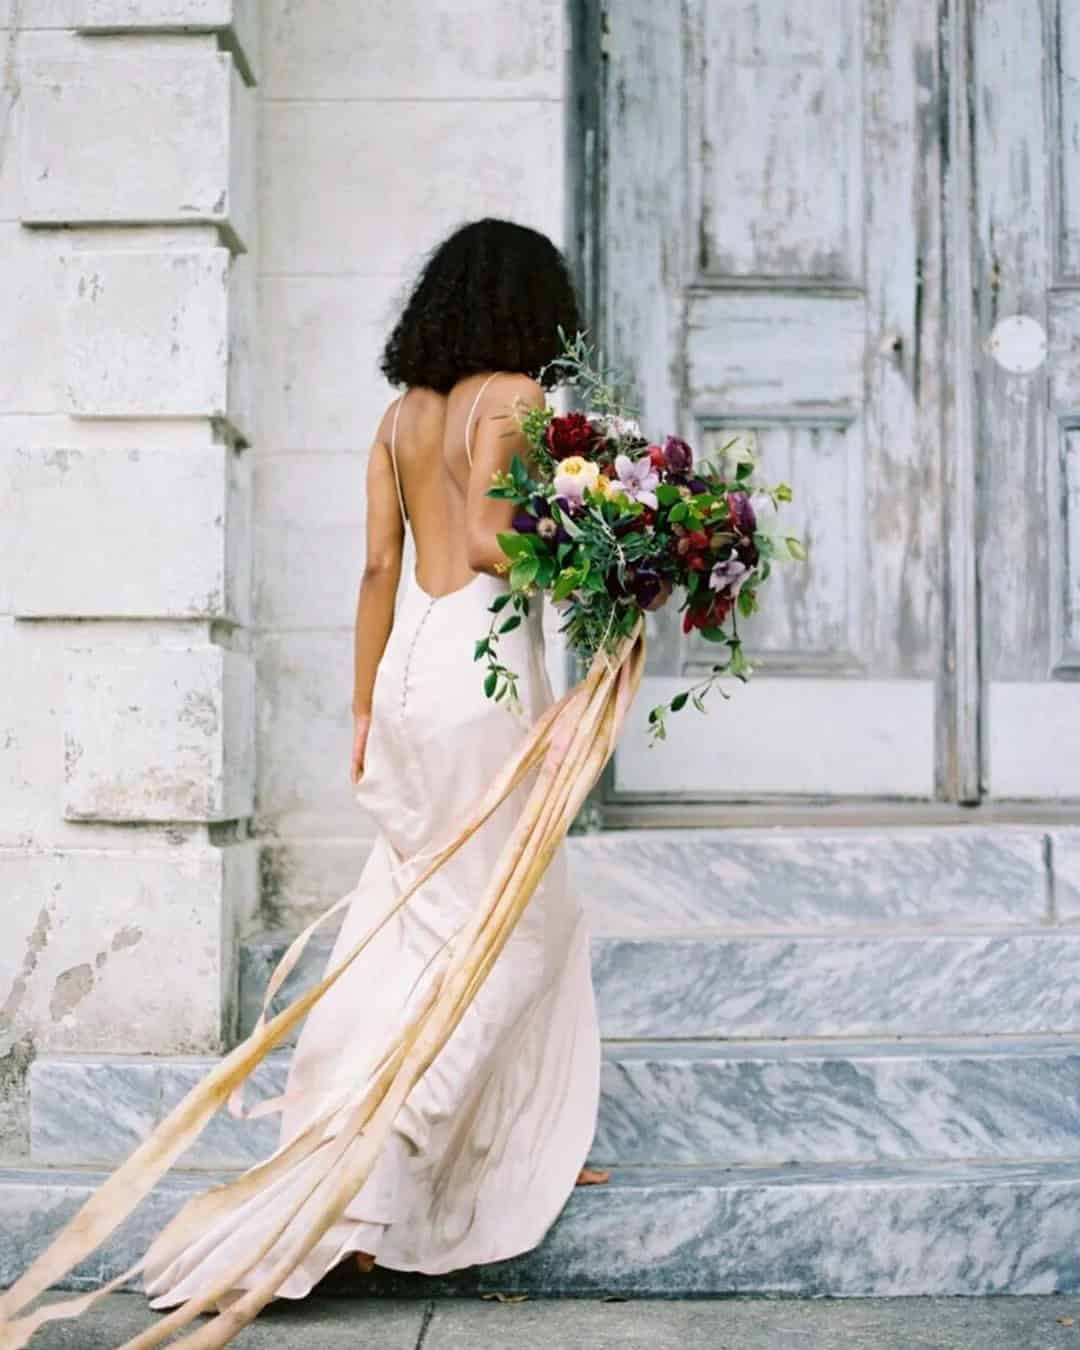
x: 492, y: 1139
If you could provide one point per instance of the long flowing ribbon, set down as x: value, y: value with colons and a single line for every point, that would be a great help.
x: 570, y: 743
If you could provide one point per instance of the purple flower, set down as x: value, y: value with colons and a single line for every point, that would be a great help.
x: 743, y: 519
x: 729, y: 575
x: 540, y: 520
x: 677, y: 455
x: 638, y: 479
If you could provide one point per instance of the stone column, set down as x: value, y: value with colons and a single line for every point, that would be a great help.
x: 127, y: 239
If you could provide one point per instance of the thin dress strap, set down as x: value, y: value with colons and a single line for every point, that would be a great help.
x: 472, y: 414
x: 393, y: 457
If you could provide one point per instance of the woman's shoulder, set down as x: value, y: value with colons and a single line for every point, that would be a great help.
x: 516, y: 388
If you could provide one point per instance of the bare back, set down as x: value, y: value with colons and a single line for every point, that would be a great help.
x: 431, y: 445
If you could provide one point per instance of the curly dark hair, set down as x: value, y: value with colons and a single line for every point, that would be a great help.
x: 490, y: 297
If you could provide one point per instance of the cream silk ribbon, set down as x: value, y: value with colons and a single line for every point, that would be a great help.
x: 570, y: 743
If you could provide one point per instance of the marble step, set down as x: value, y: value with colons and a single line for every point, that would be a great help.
x: 648, y: 881
x: 949, y: 1228
x: 671, y: 1104
x: 719, y: 986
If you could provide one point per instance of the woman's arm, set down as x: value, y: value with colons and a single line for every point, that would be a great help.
x: 496, y: 439
x: 378, y: 587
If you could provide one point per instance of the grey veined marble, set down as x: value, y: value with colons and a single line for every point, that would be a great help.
x: 714, y: 986
x: 946, y: 1229
x: 94, y: 1110
x: 681, y: 1104
x: 668, y: 880
x: 843, y: 1101
x: 1065, y: 862
x: 839, y: 985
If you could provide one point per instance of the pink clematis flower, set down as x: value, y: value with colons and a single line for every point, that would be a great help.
x: 729, y: 575
x: 638, y: 479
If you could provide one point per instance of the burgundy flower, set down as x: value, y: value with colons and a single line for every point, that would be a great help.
x: 677, y: 455
x: 645, y: 586
x: 743, y: 519
x: 573, y: 434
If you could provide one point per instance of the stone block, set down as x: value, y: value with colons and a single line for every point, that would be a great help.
x: 321, y: 340
x: 92, y: 1111
x: 301, y: 877
x: 235, y: 21
x: 305, y: 734
x: 31, y: 326
x: 125, y: 951
x: 955, y: 984
x: 158, y: 734
x: 147, y: 333
x: 324, y: 165
x: 127, y: 533
x: 840, y: 1232
x: 692, y: 1104
x: 309, y: 539
x: 833, y: 985
x: 739, y: 1103
x: 337, y: 49
x: 649, y: 881
x: 130, y: 136
x: 1065, y: 864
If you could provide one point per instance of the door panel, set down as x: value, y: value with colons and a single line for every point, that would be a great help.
x: 1027, y: 207
x: 773, y: 243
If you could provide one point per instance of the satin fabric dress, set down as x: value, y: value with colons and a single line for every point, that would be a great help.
x: 489, y: 1144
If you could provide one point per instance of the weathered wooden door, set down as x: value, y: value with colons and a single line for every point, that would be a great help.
x: 798, y: 233
x: 1026, y: 103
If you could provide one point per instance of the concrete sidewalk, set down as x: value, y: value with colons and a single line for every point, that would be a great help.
x: 1050, y: 1323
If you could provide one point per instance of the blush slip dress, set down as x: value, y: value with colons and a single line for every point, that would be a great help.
x: 489, y: 1144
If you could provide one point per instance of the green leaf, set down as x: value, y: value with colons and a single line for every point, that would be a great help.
x: 795, y: 548
x: 500, y: 602
x: 667, y: 494
x: 782, y: 492
x: 523, y: 573
x: 489, y: 682
x: 481, y: 649
x: 678, y: 703
x: 566, y: 582
x: 747, y: 602
x: 508, y: 625
x: 714, y: 635
x: 516, y: 545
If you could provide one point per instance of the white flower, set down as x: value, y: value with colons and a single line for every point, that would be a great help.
x: 574, y: 475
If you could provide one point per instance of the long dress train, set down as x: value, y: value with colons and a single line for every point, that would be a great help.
x: 488, y: 1146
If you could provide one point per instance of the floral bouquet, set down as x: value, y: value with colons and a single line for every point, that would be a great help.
x: 611, y: 525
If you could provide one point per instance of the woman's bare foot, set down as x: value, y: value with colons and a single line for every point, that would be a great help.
x: 365, y: 1263
x: 589, y: 1176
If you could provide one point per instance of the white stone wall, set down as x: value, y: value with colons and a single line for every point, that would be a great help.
x: 208, y: 209
x: 128, y: 248
x: 384, y: 124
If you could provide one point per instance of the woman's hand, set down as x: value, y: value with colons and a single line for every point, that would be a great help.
x: 361, y: 727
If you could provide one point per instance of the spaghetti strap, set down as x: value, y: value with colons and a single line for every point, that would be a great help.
x: 472, y: 414
x: 393, y: 457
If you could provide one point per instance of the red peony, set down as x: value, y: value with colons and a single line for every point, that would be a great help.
x: 573, y: 434
x: 656, y: 457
